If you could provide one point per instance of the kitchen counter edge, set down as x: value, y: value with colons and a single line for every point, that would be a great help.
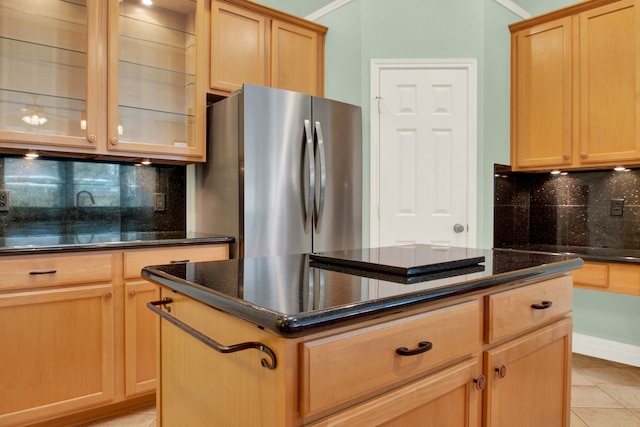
x: 49, y: 249
x: 293, y: 326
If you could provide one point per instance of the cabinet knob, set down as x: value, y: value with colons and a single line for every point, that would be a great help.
x: 583, y: 155
x: 565, y: 157
x: 114, y: 141
x: 108, y: 295
x: 502, y: 371
x: 92, y: 139
x: 132, y: 293
x: 481, y: 381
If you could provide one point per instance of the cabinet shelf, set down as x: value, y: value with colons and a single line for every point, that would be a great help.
x: 63, y: 113
x: 38, y: 68
x: 155, y: 126
x: 171, y: 91
x: 156, y: 54
x: 64, y: 22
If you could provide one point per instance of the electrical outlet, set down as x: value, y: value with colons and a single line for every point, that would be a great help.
x: 4, y: 200
x: 159, y: 202
x: 617, y: 207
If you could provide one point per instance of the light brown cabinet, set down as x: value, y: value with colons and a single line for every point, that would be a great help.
x: 104, y: 78
x: 608, y: 277
x: 317, y: 382
x: 59, y: 352
x: 529, y: 379
x: 253, y: 44
x: 59, y: 337
x: 446, y: 398
x: 574, y: 75
x: 528, y: 362
x: 139, y: 321
x: 80, y: 341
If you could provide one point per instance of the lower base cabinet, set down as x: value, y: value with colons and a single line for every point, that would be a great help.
x: 608, y: 277
x: 529, y: 379
x: 447, y: 398
x: 78, y: 342
x: 57, y: 351
x: 512, y: 368
x: 139, y: 338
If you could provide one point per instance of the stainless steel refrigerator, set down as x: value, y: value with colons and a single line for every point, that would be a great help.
x: 284, y: 173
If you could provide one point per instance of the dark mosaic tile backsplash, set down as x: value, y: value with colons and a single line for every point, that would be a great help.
x: 572, y: 209
x: 93, y: 201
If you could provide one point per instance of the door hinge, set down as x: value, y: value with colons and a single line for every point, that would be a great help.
x: 379, y: 99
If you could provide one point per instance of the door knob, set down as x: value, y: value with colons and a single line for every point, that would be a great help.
x: 458, y: 228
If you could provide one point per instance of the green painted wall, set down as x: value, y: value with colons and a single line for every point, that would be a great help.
x: 379, y: 29
x: 607, y: 315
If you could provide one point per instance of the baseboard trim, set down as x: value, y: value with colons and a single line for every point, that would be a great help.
x: 606, y: 349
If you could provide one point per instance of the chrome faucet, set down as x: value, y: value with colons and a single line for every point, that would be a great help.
x: 93, y: 201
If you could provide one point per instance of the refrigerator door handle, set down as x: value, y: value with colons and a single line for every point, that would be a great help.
x: 323, y: 177
x: 312, y: 177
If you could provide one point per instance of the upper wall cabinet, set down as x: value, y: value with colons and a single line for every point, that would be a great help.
x: 49, y: 93
x: 574, y: 78
x: 251, y: 43
x: 156, y: 103
x: 103, y: 78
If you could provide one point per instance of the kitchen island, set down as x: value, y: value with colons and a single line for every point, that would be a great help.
x: 304, y: 341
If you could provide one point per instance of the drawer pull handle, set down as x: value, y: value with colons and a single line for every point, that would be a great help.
x: 43, y: 272
x: 543, y: 306
x: 179, y: 261
x: 152, y: 305
x: 423, y: 347
x: 502, y: 371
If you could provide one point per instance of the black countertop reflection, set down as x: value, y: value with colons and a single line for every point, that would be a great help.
x: 292, y: 295
x: 103, y: 240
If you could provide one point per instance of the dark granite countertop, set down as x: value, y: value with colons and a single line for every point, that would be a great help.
x: 73, y: 242
x: 587, y: 253
x: 293, y: 295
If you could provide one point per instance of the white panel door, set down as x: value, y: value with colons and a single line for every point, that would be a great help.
x: 426, y: 125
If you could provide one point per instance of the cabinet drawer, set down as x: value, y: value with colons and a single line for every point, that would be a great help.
x: 42, y: 271
x: 511, y: 312
x: 596, y: 275
x: 134, y: 261
x: 349, y: 366
x: 608, y: 277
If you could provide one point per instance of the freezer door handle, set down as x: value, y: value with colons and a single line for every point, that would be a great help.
x: 312, y: 177
x: 323, y: 177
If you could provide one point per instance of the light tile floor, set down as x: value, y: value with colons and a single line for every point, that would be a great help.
x: 603, y: 394
x: 144, y: 417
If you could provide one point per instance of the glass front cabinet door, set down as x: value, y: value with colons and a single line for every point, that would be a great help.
x: 107, y: 78
x: 48, y: 97
x: 154, y: 72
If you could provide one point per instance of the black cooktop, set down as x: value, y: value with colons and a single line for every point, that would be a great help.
x: 406, y: 260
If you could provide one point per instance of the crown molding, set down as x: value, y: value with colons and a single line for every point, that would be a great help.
x: 515, y: 8
x: 336, y: 4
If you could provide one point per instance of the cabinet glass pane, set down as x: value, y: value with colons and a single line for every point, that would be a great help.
x: 156, y: 72
x: 43, y: 57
